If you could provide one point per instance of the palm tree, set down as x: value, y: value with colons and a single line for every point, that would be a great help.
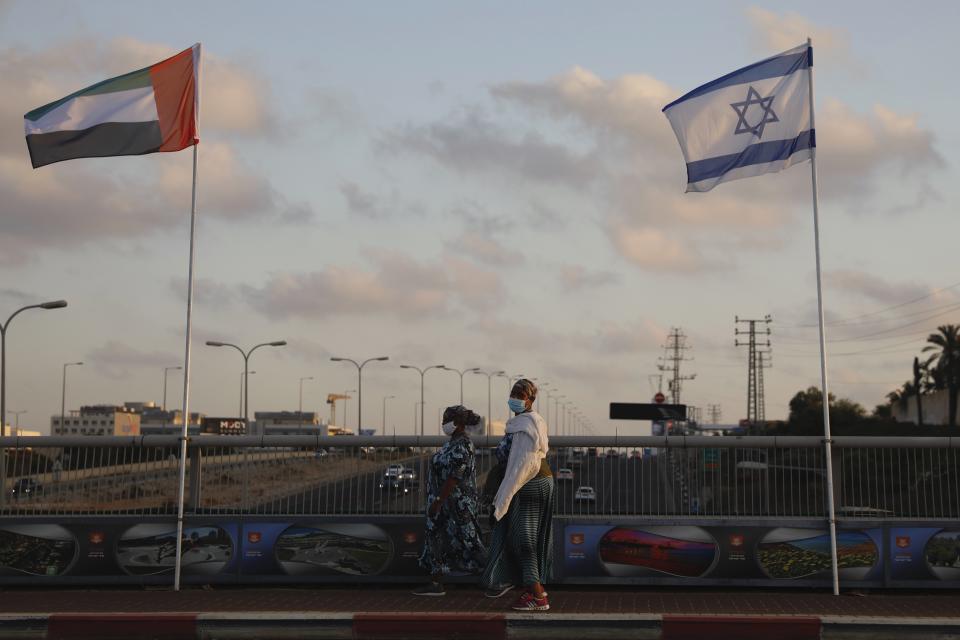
x: 945, y: 364
x: 918, y: 374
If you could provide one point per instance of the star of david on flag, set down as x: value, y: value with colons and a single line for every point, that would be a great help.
x: 753, y: 121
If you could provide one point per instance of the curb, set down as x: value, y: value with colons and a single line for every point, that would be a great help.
x: 313, y: 625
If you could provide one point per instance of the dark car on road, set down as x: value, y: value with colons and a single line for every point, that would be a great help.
x: 26, y: 488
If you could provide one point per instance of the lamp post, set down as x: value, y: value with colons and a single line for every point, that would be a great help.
x: 383, y: 418
x: 359, y: 366
x: 166, y: 370
x: 544, y: 387
x: 422, y: 372
x: 346, y: 403
x: 243, y: 374
x: 16, y: 429
x: 63, y: 393
x: 300, y: 406
x: 460, y: 373
x: 556, y: 411
x: 246, y: 367
x: 55, y: 304
x: 503, y: 374
x: 489, y: 407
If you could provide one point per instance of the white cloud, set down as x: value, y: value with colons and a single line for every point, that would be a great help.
x: 398, y: 286
x: 118, y: 360
x: 235, y: 97
x: 73, y: 203
x: 575, y: 277
x: 472, y: 142
x: 484, y: 249
x: 653, y: 250
x: 779, y: 32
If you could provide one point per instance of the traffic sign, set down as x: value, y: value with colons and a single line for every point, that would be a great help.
x: 659, y: 398
x: 636, y: 411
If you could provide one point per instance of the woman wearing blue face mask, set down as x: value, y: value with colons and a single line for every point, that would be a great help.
x: 520, y: 551
x: 452, y: 536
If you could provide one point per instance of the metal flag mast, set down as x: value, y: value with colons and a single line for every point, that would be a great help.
x: 186, y: 377
x: 827, y: 440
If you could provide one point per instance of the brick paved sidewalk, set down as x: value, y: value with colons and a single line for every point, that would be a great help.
x: 382, y: 612
x: 461, y: 599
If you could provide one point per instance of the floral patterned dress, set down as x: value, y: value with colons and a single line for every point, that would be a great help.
x: 452, y: 539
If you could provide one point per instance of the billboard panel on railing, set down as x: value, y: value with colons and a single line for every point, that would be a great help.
x: 331, y: 549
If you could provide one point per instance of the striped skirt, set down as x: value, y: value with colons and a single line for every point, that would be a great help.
x: 522, y: 543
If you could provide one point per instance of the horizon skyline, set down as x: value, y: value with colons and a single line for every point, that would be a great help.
x: 518, y: 200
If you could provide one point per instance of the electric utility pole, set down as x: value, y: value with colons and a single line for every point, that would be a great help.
x: 754, y: 404
x: 674, y: 348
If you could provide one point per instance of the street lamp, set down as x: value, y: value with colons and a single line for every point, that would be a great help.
x: 16, y: 429
x: 460, y: 373
x: 300, y: 407
x: 346, y: 404
x: 55, y: 304
x: 243, y: 375
x: 422, y: 372
x: 165, y: 371
x: 503, y: 374
x: 63, y: 394
x: 359, y: 366
x: 246, y: 365
x: 556, y: 411
x: 383, y: 423
x: 489, y: 408
x: 543, y: 387
x: 566, y: 410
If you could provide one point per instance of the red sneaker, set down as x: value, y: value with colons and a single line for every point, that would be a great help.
x: 529, y: 602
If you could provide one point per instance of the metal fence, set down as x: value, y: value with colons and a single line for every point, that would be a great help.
x: 679, y: 477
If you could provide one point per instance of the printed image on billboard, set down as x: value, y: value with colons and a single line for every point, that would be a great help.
x: 150, y: 549
x: 677, y: 551
x: 943, y: 554
x: 36, y: 549
x: 352, y: 549
x: 788, y: 553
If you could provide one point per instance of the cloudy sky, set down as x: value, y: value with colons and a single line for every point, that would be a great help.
x: 488, y: 186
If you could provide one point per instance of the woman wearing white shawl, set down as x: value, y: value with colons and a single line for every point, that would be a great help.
x: 520, y: 551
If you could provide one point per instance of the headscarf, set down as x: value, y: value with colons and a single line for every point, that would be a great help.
x: 460, y: 416
x: 528, y: 388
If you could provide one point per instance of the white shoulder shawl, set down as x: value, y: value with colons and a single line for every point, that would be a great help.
x: 530, y: 446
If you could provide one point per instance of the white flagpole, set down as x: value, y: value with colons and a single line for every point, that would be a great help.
x: 828, y: 442
x: 186, y: 376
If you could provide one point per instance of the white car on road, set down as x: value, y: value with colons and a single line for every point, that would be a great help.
x: 585, y: 494
x: 565, y: 474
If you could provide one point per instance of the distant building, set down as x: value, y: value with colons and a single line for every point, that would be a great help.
x: 97, y: 420
x: 935, y: 408
x: 154, y: 421
x: 496, y: 428
x: 288, y: 423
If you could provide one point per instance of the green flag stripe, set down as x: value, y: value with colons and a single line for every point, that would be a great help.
x: 133, y: 80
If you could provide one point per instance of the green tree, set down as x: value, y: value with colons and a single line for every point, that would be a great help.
x: 944, y: 365
x: 806, y: 411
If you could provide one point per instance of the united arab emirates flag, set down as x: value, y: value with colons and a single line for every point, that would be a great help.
x: 153, y: 109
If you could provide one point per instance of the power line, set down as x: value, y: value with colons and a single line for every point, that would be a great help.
x: 879, y: 311
x: 673, y: 352
x: 755, y: 401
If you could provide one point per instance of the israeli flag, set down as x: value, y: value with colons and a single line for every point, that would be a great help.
x: 755, y: 120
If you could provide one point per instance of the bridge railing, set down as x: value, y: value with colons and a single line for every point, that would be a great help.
x: 727, y: 477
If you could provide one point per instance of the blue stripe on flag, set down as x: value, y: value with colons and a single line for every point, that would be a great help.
x: 769, y: 68
x: 759, y: 153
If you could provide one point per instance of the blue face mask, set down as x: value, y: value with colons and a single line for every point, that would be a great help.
x: 517, y: 405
